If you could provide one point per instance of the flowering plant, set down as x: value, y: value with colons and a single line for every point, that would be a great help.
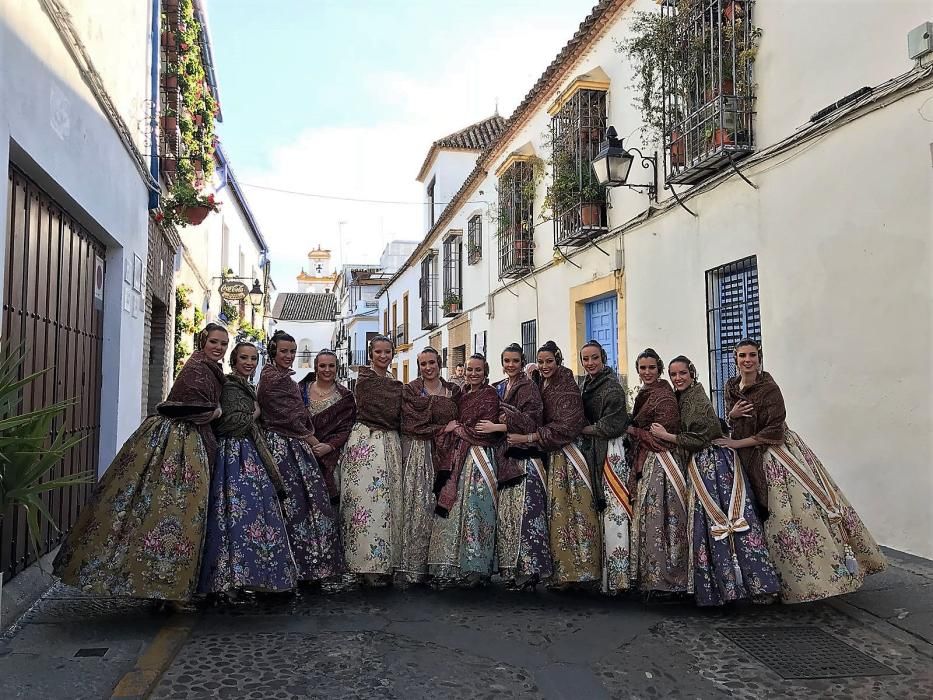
x: 182, y: 198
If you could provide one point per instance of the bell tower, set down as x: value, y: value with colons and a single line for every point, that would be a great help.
x: 319, y: 276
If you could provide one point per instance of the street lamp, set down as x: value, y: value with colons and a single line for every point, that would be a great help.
x: 614, y: 161
x: 255, y: 294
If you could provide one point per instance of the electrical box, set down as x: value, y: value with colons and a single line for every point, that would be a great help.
x: 920, y: 41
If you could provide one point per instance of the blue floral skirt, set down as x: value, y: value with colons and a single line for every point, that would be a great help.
x: 246, y: 545
x: 310, y: 519
x: 522, y: 545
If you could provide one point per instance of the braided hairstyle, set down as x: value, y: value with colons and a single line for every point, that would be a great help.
x: 236, y: 350
x: 551, y: 347
x: 380, y: 339
x: 514, y: 347
x: 595, y: 344
x: 328, y: 352
x: 277, y: 337
x: 682, y: 359
x: 649, y: 352
x: 207, y: 330
x: 482, y: 357
x: 428, y: 350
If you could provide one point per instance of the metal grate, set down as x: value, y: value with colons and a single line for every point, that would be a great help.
x: 516, y: 230
x: 804, y: 652
x: 474, y: 239
x: 530, y: 339
x: 428, y: 290
x: 91, y: 652
x: 453, y: 299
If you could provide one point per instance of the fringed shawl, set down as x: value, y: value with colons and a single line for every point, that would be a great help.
x: 766, y: 423
x: 238, y: 401
x: 451, y: 449
x: 424, y: 415
x: 332, y: 426
x: 699, y: 424
x: 378, y: 400
x: 283, y: 411
x: 563, y: 411
x: 195, y: 396
x: 605, y: 408
x: 655, y: 403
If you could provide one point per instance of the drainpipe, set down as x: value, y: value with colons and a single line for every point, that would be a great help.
x: 155, y: 194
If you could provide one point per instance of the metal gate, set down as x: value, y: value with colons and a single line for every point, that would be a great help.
x: 50, y: 308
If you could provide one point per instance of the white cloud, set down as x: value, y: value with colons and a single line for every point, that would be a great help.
x: 380, y: 161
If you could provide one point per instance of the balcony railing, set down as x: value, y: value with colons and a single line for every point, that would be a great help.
x: 360, y: 359
x: 709, y: 100
x: 401, y: 334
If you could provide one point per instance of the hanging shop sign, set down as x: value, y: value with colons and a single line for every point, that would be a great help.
x: 231, y: 290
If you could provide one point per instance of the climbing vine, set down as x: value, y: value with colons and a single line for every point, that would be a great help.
x: 183, y: 327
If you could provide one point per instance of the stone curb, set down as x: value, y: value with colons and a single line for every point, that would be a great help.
x: 25, y: 589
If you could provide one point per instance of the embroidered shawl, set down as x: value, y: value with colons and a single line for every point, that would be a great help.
x: 655, y: 403
x: 378, y: 400
x: 563, y: 417
x: 332, y: 426
x: 766, y: 423
x: 521, y: 404
x: 194, y: 397
x: 451, y: 449
x: 605, y: 408
x: 283, y: 411
x: 238, y: 401
x: 699, y: 424
x: 425, y: 415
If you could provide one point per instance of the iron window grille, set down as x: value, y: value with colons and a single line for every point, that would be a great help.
x: 458, y: 356
x: 474, y: 239
x: 732, y: 313
x: 516, y: 230
x: 401, y: 334
x: 530, y: 339
x: 428, y: 290
x: 709, y: 95
x: 453, y: 291
x: 578, y: 201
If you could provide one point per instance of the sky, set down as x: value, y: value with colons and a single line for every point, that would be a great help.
x: 342, y: 99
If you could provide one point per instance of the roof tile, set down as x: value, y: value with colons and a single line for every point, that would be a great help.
x: 305, y: 306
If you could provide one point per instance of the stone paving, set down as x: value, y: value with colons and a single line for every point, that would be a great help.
x: 421, y: 643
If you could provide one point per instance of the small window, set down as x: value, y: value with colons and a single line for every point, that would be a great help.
x: 474, y: 239
x: 453, y: 293
x: 431, y: 202
x: 732, y: 314
x: 516, y: 229
x: 530, y: 339
x: 427, y: 286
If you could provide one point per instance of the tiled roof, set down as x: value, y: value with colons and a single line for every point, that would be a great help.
x: 589, y: 30
x: 304, y: 306
x: 475, y: 137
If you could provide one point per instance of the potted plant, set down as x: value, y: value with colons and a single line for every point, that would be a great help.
x: 169, y: 40
x: 678, y: 149
x: 27, y: 454
x: 451, y: 303
x: 169, y: 5
x: 732, y: 9
x: 186, y: 206
x: 169, y: 120
x: 474, y: 252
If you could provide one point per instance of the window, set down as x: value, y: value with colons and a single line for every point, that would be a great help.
x: 428, y: 289
x: 453, y: 297
x: 516, y: 229
x: 444, y: 358
x: 709, y: 99
x: 405, y: 371
x: 474, y: 239
x: 385, y: 322
x: 403, y: 340
x: 732, y: 313
x: 458, y: 356
x: 479, y: 343
x: 393, y: 329
x: 578, y: 201
x: 431, y: 200
x: 530, y: 339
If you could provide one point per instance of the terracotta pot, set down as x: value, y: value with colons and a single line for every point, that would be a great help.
x: 195, y: 215
x: 725, y: 87
x: 589, y: 214
x: 169, y: 165
x: 169, y: 123
x: 168, y: 40
x: 719, y: 138
x: 170, y: 82
x: 198, y: 119
x: 169, y: 5
x: 678, y: 149
x: 732, y: 9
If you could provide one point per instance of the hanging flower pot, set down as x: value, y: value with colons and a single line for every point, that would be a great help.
x: 732, y: 9
x: 720, y: 137
x: 169, y: 122
x: 169, y: 165
x: 170, y: 82
x: 589, y: 214
x: 168, y: 40
x: 725, y: 87
x: 169, y: 5
x: 678, y: 150
x: 194, y: 215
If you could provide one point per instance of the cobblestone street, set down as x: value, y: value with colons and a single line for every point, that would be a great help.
x: 478, y: 643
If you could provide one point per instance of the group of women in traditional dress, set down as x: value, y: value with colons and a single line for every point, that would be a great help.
x: 536, y: 478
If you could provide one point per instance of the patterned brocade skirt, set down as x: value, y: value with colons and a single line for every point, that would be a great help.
x: 463, y: 544
x: 616, y: 520
x: 370, y: 471
x: 573, y: 522
x: 522, y: 546
x: 310, y: 519
x: 140, y: 534
x: 247, y: 543
x: 819, y: 545
x: 417, y: 510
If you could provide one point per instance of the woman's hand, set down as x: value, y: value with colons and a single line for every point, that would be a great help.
x: 461, y: 432
x: 726, y: 442
x: 742, y: 409
x: 589, y: 430
x: 658, y: 431
x: 218, y: 412
x: 486, y: 427
x: 256, y: 410
x: 321, y: 449
x: 516, y: 439
x: 502, y: 417
x: 311, y: 440
x: 451, y: 426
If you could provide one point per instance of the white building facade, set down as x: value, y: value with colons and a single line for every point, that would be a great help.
x: 828, y: 235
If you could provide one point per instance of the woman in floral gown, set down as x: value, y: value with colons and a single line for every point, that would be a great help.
x: 246, y: 547
x: 333, y: 412
x: 310, y: 518
x: 429, y: 405
x: 371, y: 472
x: 573, y: 523
x: 141, y: 532
x: 819, y: 544
x: 463, y: 540
x: 522, y: 546
x: 660, y: 548
x: 729, y: 557
x: 604, y: 403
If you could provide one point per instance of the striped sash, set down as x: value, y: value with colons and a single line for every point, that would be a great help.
x: 616, y: 487
x: 826, y: 497
x: 674, y: 476
x: 575, y: 457
x: 723, y: 525
x: 488, y: 472
x: 539, y: 470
